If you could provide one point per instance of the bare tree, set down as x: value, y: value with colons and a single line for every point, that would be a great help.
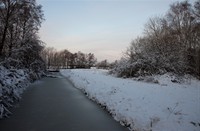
x: 169, y: 44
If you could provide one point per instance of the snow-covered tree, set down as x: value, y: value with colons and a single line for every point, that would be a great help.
x: 91, y: 60
x: 20, y: 47
x: 169, y: 44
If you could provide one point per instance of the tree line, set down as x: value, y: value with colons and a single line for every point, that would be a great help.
x: 66, y: 59
x: 20, y: 45
x: 169, y: 44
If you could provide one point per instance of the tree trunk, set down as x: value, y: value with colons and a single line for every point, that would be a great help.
x: 3, y: 38
x: 5, y: 29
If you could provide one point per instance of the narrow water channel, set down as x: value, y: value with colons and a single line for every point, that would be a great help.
x: 53, y: 104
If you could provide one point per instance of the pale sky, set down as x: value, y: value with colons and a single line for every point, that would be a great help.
x: 102, y: 27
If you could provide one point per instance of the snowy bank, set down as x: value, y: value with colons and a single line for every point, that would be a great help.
x: 166, y: 106
x: 12, y: 84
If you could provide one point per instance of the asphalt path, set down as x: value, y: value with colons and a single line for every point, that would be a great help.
x: 54, y: 104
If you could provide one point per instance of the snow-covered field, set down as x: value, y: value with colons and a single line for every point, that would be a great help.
x: 165, y: 106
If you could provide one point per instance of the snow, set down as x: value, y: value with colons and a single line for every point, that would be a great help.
x: 139, y: 105
x: 12, y: 84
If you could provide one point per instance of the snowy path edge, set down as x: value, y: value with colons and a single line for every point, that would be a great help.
x: 102, y: 105
x: 171, y: 111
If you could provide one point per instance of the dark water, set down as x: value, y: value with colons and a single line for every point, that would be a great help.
x: 53, y: 104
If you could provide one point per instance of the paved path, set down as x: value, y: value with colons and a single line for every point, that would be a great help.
x: 53, y: 104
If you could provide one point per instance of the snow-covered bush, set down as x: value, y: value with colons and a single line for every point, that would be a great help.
x: 126, y: 68
x: 12, y: 84
x: 169, y: 44
x: 23, y: 66
x: 14, y: 80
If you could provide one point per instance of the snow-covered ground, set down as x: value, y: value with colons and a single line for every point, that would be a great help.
x: 165, y: 106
